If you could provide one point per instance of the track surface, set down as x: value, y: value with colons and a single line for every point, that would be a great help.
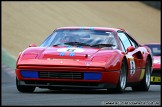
x: 10, y: 95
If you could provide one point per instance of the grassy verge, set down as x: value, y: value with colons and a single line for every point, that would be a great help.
x: 8, y: 59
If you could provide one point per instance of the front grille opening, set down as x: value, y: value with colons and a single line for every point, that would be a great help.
x: 61, y: 75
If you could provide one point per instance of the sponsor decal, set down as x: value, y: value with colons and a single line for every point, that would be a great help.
x: 71, y: 49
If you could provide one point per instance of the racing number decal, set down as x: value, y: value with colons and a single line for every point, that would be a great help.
x: 132, y: 66
x: 71, y: 50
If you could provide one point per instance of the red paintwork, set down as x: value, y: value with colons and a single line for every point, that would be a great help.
x: 130, y: 49
x: 101, y: 60
x: 156, y: 73
x: 157, y: 65
x: 113, y: 78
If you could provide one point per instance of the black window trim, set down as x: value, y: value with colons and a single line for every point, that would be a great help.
x: 119, y: 31
x: 122, y: 44
x: 129, y: 38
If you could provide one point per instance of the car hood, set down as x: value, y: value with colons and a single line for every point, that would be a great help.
x: 68, y: 52
x: 61, y: 52
x: 69, y: 56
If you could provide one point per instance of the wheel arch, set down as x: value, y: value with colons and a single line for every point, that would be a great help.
x: 124, y: 58
x: 150, y: 58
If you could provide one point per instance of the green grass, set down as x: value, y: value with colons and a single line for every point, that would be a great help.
x: 8, y: 59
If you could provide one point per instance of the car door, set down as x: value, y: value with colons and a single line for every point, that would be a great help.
x: 134, y: 57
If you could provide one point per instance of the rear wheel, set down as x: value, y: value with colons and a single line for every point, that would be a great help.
x: 122, y: 79
x: 145, y: 83
x: 25, y: 89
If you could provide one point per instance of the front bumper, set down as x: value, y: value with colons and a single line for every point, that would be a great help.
x: 48, y: 84
x: 82, y: 78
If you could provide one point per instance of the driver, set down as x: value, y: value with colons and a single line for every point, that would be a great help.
x: 110, y: 40
x: 71, y: 38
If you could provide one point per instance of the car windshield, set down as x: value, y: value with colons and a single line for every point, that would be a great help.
x: 156, y: 49
x: 80, y: 37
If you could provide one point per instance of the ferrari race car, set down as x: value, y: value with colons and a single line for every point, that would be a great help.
x: 85, y: 57
x: 156, y: 52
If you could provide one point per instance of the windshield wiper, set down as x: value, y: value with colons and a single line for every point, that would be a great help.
x: 77, y: 43
x: 56, y: 44
x: 103, y: 45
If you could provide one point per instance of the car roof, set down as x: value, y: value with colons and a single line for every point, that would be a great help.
x: 92, y: 28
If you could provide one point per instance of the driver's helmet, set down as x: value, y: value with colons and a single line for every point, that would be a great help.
x: 71, y: 38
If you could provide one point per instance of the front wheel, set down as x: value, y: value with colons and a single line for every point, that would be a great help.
x: 145, y: 83
x: 24, y: 89
x: 122, y: 79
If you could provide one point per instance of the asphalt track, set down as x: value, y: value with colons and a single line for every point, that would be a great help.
x: 45, y: 97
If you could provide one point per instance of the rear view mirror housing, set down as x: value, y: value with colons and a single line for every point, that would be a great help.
x: 130, y: 49
x: 32, y: 45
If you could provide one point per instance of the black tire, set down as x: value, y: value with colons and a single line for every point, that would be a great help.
x: 24, y: 89
x: 144, y: 85
x: 122, y: 79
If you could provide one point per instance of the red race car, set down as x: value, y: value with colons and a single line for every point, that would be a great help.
x: 85, y: 57
x: 156, y: 52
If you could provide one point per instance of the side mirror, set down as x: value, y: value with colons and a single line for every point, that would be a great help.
x: 32, y: 45
x: 130, y: 49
